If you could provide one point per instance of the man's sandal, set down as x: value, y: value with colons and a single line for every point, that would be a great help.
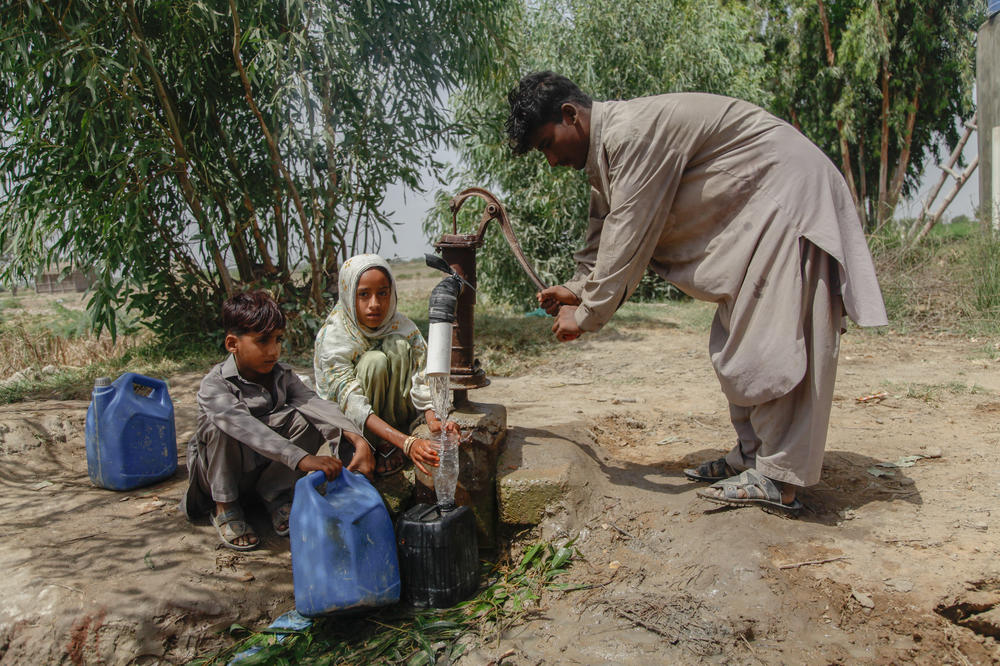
x: 279, y: 517
x: 711, y: 471
x: 759, y: 490
x: 231, y: 525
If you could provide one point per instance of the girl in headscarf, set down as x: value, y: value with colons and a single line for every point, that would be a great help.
x: 370, y: 360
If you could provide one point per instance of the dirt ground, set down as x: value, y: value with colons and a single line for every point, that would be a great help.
x: 894, y: 560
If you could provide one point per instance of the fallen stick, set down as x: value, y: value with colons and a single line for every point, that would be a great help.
x: 620, y: 530
x: 796, y: 565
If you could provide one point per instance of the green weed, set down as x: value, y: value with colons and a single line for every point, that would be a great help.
x: 932, y: 392
x: 414, y: 637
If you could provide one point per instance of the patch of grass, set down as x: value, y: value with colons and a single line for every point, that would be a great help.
x: 146, y: 357
x: 932, y: 392
x: 508, y: 341
x: 948, y: 283
x: 415, y: 637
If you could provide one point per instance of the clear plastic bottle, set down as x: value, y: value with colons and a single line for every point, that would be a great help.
x: 446, y: 473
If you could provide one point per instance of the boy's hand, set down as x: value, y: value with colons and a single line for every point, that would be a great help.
x: 327, y: 464
x: 551, y: 298
x: 566, y: 328
x: 363, y: 460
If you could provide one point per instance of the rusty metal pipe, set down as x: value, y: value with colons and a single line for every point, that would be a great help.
x: 459, y: 251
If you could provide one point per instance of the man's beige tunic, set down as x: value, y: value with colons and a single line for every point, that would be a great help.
x: 714, y: 195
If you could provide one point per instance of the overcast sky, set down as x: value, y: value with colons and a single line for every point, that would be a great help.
x: 409, y: 208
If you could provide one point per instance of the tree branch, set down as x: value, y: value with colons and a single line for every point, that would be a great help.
x: 181, y: 153
x: 276, y: 159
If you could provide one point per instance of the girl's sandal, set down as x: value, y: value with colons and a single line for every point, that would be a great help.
x: 389, y: 463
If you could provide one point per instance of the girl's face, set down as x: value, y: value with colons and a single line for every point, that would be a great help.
x: 371, y: 302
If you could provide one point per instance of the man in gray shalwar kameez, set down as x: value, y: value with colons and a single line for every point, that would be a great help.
x: 733, y: 206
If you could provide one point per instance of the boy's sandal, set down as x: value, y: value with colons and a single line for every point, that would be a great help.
x: 231, y: 525
x: 280, y: 516
x: 711, y: 471
x: 759, y: 490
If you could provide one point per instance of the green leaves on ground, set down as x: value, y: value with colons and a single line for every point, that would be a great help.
x: 399, y: 636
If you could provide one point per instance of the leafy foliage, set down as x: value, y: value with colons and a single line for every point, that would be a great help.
x: 396, y: 636
x: 914, y: 55
x: 617, y: 50
x: 881, y: 87
x: 168, y: 144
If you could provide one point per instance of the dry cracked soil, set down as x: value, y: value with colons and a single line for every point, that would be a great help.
x: 894, y: 559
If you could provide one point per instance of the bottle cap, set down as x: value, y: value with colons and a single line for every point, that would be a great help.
x: 101, y: 382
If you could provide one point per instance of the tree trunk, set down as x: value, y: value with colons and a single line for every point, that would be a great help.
x: 181, y: 156
x: 272, y: 147
x: 883, y: 161
x: 845, y: 149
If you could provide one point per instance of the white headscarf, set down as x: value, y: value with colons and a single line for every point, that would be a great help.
x: 350, y: 275
x: 342, y: 340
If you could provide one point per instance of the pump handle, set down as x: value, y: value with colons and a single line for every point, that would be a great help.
x: 495, y: 210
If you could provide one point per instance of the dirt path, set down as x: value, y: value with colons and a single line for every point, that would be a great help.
x: 889, y: 564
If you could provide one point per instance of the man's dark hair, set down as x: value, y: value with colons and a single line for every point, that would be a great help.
x: 536, y: 100
x: 252, y: 312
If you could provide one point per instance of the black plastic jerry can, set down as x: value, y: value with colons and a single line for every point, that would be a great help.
x: 438, y: 555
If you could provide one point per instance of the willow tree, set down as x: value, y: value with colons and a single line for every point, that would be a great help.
x: 881, y: 86
x: 182, y: 150
x: 612, y: 51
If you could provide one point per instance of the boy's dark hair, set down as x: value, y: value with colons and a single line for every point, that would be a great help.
x: 252, y: 312
x: 536, y: 100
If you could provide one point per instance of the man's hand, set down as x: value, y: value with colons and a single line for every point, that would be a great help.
x: 363, y: 460
x: 550, y: 298
x: 327, y: 464
x: 566, y: 328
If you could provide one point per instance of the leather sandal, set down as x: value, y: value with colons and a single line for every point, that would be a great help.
x: 231, y: 525
x: 758, y: 490
x: 711, y: 471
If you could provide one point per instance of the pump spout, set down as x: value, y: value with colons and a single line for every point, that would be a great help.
x: 441, y: 312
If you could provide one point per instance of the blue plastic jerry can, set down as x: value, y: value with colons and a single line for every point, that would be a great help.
x: 343, y: 546
x: 130, y: 434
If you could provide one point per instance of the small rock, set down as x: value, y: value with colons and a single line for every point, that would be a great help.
x: 614, y: 564
x: 863, y: 599
x: 899, y: 584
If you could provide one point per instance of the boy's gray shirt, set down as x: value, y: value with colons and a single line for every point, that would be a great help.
x: 716, y: 195
x: 243, y: 409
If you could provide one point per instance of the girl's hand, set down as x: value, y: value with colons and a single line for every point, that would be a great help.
x: 424, y: 452
x: 434, y: 424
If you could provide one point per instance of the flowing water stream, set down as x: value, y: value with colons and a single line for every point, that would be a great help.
x: 446, y: 473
